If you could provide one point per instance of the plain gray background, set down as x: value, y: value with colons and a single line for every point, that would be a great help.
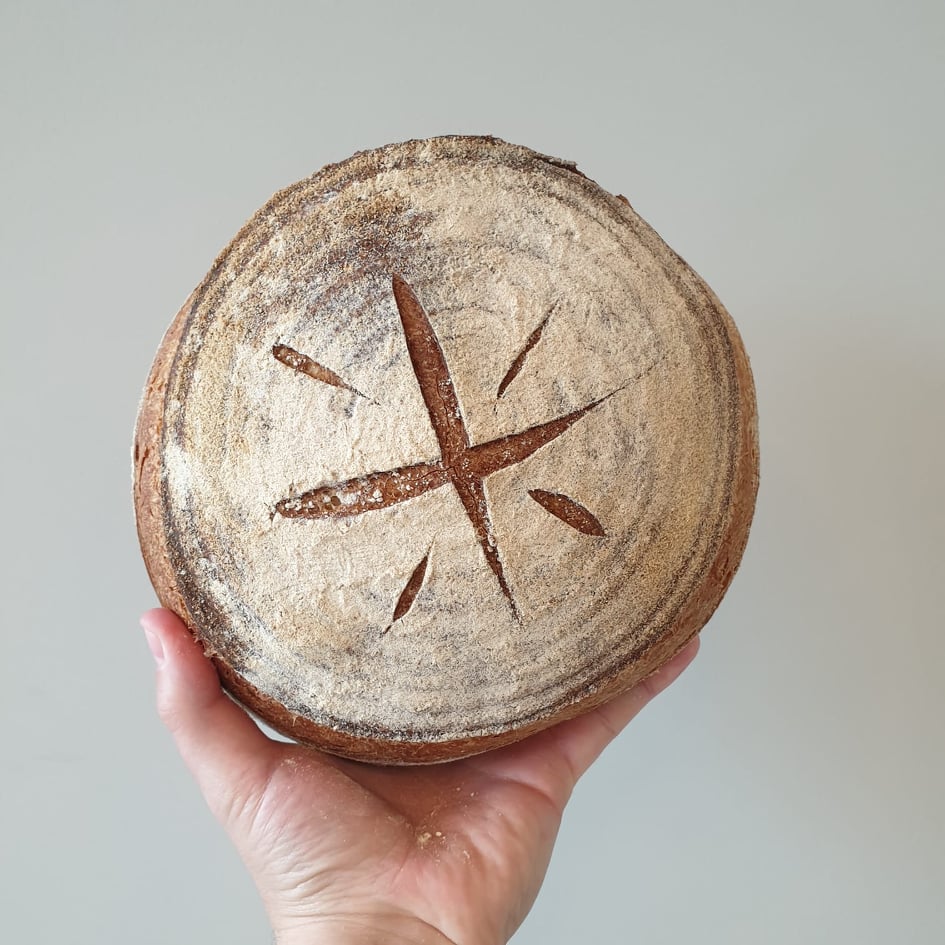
x: 789, y: 788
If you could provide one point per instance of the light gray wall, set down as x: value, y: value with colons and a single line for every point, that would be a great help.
x: 789, y: 788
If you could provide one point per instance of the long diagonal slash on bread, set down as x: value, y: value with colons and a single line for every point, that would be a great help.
x: 462, y: 464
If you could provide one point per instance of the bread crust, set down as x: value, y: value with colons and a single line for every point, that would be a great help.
x: 704, y: 598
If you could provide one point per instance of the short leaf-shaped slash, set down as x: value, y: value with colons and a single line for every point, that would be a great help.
x: 305, y: 365
x: 570, y: 512
x: 519, y: 361
x: 409, y: 594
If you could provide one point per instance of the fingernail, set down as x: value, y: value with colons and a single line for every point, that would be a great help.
x: 154, y: 644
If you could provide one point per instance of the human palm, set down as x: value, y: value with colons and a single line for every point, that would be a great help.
x: 450, y: 853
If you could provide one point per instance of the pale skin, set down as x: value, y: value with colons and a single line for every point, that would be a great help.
x: 343, y: 852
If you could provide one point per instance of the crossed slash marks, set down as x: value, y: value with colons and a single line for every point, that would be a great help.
x: 462, y: 465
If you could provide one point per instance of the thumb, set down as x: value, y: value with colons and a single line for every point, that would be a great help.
x: 565, y: 751
x: 228, y: 755
x: 584, y: 738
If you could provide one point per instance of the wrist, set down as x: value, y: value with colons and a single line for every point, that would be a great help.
x: 363, y: 930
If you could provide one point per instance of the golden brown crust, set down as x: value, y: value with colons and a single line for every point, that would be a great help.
x: 702, y: 600
x: 149, y: 516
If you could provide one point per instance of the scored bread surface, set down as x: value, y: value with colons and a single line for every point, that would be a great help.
x: 401, y: 633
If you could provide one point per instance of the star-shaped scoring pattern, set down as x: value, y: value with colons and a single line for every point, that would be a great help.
x: 461, y: 464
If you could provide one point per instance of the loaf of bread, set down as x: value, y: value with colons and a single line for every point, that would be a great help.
x: 448, y: 446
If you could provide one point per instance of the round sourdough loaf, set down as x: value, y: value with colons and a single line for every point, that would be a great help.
x: 447, y: 447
